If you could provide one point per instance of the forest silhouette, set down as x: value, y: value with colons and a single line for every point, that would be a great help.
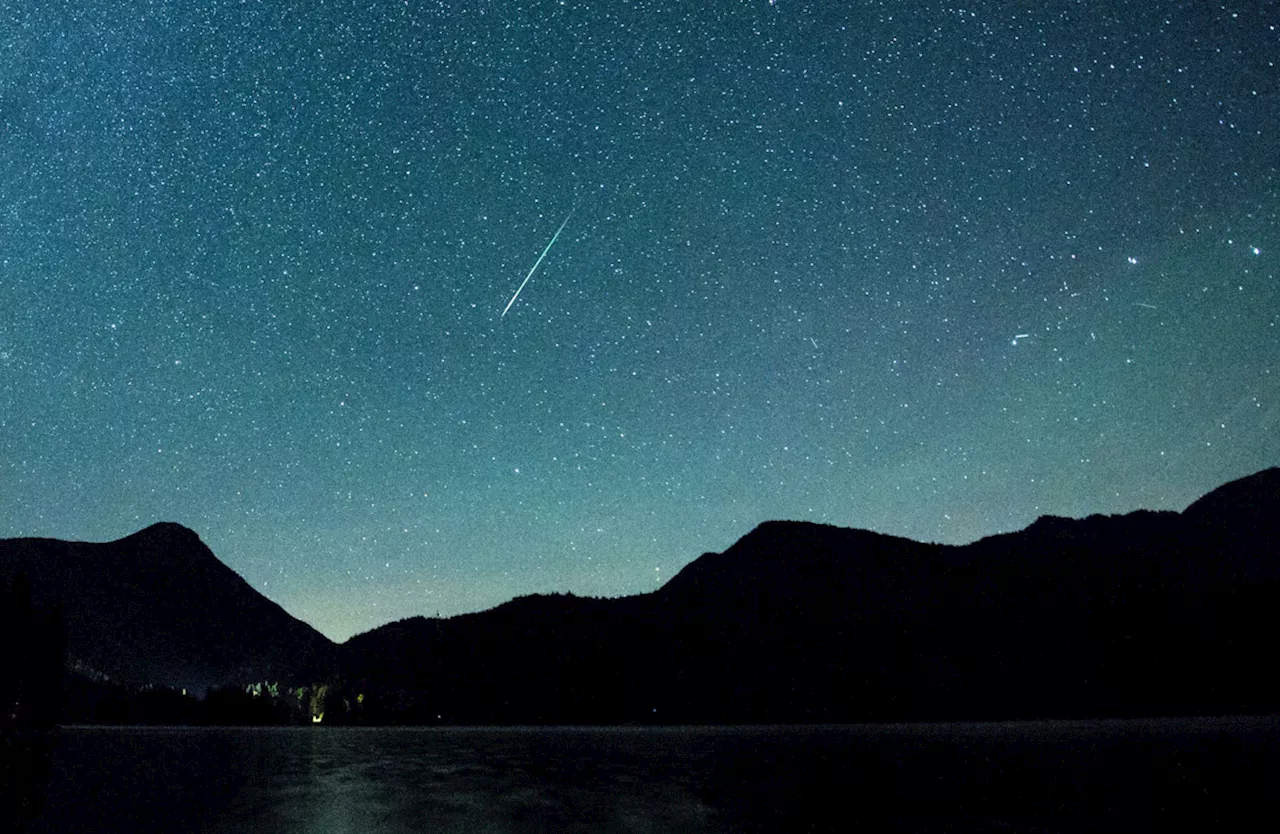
x: 1143, y: 614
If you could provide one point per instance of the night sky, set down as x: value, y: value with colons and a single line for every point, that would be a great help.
x: 923, y: 268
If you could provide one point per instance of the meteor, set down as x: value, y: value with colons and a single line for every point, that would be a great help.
x: 538, y: 261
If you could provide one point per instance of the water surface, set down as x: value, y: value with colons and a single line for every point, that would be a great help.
x: 1025, y: 776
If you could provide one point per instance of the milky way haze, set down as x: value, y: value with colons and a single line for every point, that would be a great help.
x: 901, y: 266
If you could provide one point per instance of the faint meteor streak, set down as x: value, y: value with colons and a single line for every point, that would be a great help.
x: 1144, y: 304
x: 538, y: 261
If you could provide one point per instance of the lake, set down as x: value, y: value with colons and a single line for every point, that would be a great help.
x: 1021, y: 776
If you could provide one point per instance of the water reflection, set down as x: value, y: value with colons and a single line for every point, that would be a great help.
x: 473, y: 780
x: 1061, y: 776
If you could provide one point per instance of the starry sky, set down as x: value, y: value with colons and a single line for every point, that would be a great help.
x: 930, y: 269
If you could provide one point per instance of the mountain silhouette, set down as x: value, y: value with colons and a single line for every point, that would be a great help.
x: 1146, y: 613
x: 157, y: 608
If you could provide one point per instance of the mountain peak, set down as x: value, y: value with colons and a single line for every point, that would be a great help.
x: 780, y: 538
x: 166, y: 530
x: 1242, y: 516
x: 158, y: 607
x: 1051, y: 522
x: 1256, y: 493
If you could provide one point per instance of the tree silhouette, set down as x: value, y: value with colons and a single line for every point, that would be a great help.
x: 32, y: 656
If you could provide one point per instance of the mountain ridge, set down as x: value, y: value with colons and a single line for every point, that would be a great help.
x: 157, y: 607
x: 1269, y: 478
x: 1137, y: 613
x: 1132, y: 613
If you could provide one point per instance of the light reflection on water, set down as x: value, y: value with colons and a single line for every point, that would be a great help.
x: 1019, y: 776
x: 467, y: 780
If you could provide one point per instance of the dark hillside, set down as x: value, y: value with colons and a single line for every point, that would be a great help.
x: 158, y: 608
x: 1148, y: 613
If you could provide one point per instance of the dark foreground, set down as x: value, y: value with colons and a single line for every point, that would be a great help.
x: 1052, y: 776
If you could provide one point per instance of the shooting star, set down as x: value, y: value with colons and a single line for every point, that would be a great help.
x: 538, y: 261
x: 1144, y: 304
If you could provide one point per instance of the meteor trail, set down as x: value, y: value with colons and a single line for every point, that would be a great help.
x: 538, y: 261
